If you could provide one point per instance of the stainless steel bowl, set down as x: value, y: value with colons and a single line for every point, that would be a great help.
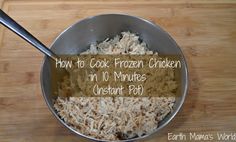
x: 79, y: 36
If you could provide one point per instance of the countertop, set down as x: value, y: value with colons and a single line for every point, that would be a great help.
x: 204, y: 30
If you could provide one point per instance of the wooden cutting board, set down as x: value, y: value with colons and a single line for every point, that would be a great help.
x: 205, y: 31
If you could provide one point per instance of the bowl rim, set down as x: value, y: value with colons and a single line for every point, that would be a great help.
x: 174, y: 113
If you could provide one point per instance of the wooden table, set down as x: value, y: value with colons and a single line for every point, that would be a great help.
x: 205, y: 31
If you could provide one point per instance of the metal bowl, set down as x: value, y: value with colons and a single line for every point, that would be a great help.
x: 79, y: 36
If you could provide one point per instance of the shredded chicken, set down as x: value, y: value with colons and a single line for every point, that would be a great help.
x: 117, y: 118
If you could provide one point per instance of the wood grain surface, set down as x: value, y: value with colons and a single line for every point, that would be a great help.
x: 205, y: 31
